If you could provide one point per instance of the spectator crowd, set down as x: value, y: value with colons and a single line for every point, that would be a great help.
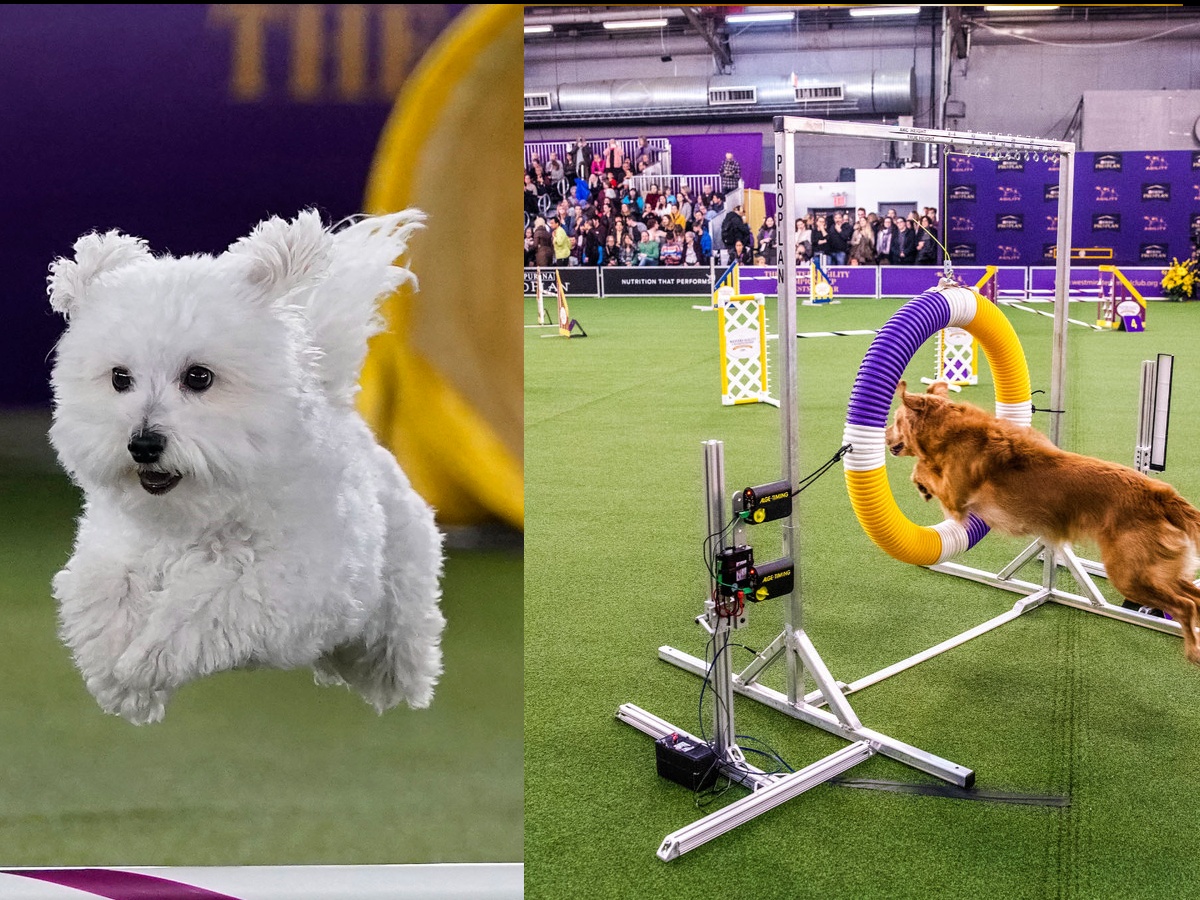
x: 585, y: 211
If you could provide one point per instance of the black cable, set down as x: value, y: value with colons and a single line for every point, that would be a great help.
x: 808, y: 480
x: 1037, y: 409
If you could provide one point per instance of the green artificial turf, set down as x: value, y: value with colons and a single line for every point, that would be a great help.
x: 255, y: 768
x: 1059, y: 702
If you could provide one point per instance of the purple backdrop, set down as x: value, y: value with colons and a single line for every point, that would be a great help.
x: 702, y: 154
x: 1138, y: 204
x: 182, y: 124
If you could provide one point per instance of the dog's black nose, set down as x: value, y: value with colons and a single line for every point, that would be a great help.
x: 147, y: 446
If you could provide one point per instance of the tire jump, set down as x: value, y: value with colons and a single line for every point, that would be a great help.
x: 871, y: 398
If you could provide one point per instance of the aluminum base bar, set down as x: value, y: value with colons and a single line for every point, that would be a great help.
x: 1021, y: 606
x: 740, y: 771
x: 741, y: 811
x: 887, y: 746
x: 1075, y: 601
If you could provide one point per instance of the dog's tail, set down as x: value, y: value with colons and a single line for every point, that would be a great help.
x: 344, y: 308
x: 1186, y: 517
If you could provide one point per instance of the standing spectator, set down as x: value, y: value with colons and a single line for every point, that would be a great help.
x: 730, y: 173
x: 716, y: 219
x: 734, y: 230
x: 529, y: 247
x: 926, y: 246
x: 904, y: 247
x: 804, y: 239
x: 562, y: 242
x: 543, y: 244
x: 581, y: 159
x: 822, y: 252
x: 875, y: 222
x: 767, y: 242
x: 862, y: 244
x: 846, y: 232
x: 614, y: 159
x: 836, y: 245
x: 884, y: 241
x: 554, y: 168
x: 704, y: 241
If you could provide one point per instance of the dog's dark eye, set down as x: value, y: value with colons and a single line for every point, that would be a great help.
x: 121, y: 379
x: 198, y: 378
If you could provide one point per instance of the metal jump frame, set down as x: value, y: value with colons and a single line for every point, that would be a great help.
x: 827, y: 706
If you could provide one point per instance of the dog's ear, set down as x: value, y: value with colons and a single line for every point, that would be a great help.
x: 286, y: 255
x: 939, y: 389
x: 901, y: 389
x: 95, y: 255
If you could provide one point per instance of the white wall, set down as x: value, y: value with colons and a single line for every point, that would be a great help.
x: 873, y: 188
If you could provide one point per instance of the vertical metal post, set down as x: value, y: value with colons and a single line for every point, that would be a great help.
x: 789, y: 437
x: 724, y: 733
x: 1058, y: 353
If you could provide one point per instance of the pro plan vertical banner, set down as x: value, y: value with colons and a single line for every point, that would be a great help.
x: 1137, y: 205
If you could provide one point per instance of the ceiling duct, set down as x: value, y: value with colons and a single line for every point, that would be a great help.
x: 867, y: 94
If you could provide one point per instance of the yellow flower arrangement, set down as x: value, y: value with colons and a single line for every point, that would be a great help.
x: 1179, y: 281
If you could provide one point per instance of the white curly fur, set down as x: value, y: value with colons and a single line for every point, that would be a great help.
x: 291, y: 538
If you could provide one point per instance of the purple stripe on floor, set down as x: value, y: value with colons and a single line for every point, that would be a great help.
x: 118, y: 885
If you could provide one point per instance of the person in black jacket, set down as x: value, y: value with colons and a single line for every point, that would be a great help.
x: 735, y: 229
x: 904, y: 244
x: 835, y: 241
x: 926, y: 245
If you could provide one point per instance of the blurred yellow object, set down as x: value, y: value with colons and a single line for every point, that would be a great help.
x: 443, y: 387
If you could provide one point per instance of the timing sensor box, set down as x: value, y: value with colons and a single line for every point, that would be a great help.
x: 686, y: 761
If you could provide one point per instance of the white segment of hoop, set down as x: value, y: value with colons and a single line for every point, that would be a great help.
x: 955, y: 539
x: 1020, y: 413
x: 869, y: 447
x: 962, y: 305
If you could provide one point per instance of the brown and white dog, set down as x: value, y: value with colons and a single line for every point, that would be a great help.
x: 1017, y: 481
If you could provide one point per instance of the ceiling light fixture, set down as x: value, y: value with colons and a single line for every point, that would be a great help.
x: 538, y: 29
x: 760, y: 18
x: 1020, y: 9
x: 859, y: 12
x: 635, y: 23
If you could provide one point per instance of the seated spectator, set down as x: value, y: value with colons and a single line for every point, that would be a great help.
x: 651, y: 196
x: 742, y: 253
x: 609, y: 255
x: 672, y: 248
x: 804, y: 240
x: 705, y: 242
x: 648, y: 250
x: 692, y: 255
x: 684, y: 201
x: 628, y: 251
x: 766, y: 242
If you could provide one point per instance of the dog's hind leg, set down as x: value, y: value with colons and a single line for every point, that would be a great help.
x: 1153, y: 574
x: 398, y: 655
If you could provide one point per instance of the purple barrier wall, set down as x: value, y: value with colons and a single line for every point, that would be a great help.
x: 185, y: 125
x: 1140, y: 205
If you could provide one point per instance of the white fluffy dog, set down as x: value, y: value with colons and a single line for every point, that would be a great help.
x: 238, y: 511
